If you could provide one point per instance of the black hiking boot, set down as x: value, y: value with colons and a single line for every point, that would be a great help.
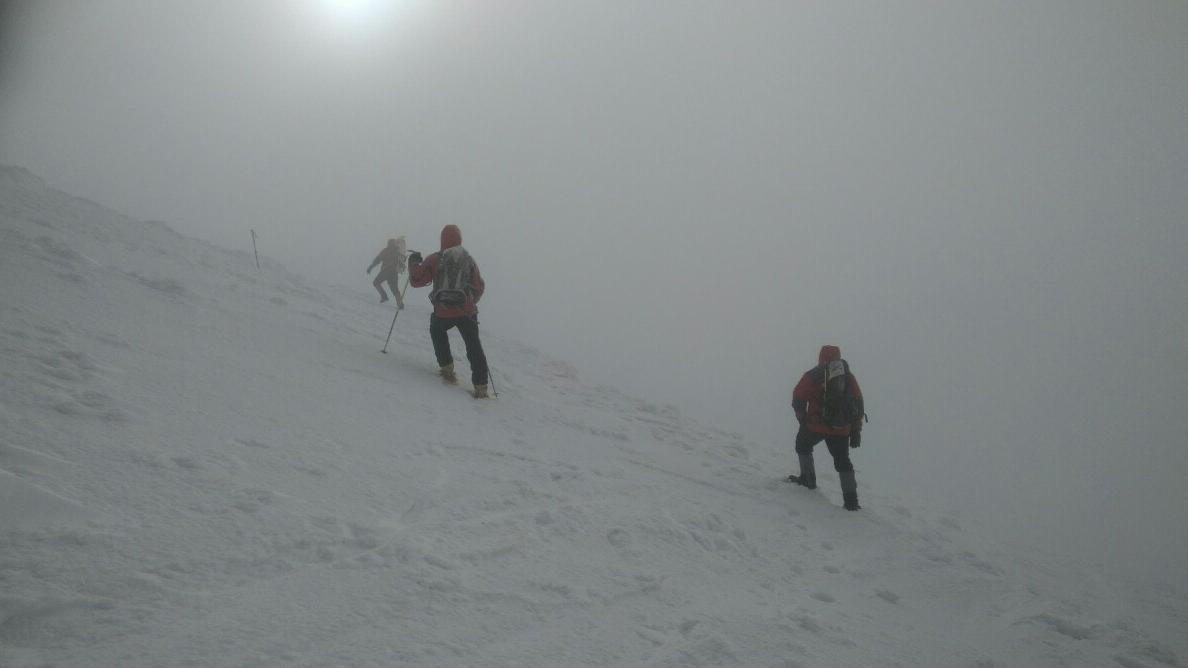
x: 808, y: 472
x: 800, y: 480
x: 849, y: 487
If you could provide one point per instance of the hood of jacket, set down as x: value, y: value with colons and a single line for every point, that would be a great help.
x: 450, y: 236
x: 828, y: 354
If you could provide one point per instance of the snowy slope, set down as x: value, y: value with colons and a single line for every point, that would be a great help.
x: 206, y: 465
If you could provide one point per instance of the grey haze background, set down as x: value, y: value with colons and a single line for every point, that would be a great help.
x: 983, y: 203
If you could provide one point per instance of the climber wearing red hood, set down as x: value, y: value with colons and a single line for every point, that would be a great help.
x: 457, y: 288
x: 828, y: 405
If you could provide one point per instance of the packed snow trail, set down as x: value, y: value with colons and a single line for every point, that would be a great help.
x: 202, y: 464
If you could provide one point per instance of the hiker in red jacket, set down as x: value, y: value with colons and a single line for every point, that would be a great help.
x: 457, y: 288
x: 828, y: 405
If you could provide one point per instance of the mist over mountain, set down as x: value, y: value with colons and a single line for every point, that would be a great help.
x: 982, y: 205
x: 202, y: 463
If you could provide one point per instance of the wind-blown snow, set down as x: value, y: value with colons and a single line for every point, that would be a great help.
x: 206, y: 465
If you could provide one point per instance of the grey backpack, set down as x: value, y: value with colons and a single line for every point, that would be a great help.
x: 451, y: 284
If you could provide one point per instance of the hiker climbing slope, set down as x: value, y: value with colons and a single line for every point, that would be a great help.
x: 828, y: 405
x: 391, y: 262
x: 457, y: 288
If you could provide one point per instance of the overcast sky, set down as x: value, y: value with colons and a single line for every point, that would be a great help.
x: 983, y: 203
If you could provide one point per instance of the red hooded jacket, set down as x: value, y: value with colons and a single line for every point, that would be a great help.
x: 806, y: 398
x: 420, y: 275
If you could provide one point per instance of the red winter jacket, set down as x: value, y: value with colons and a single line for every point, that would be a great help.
x: 420, y: 275
x: 806, y: 398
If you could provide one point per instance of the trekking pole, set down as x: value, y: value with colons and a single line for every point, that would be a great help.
x: 491, y: 378
x: 385, y: 350
x: 257, y: 255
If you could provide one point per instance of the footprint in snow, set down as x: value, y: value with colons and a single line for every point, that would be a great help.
x: 251, y: 500
x: 1127, y: 662
x: 809, y: 624
x: 188, y: 463
x: 1061, y: 625
x: 651, y: 635
x: 113, y: 341
x: 619, y: 538
x: 73, y: 278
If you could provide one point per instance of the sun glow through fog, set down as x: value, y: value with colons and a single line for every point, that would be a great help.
x: 359, y: 14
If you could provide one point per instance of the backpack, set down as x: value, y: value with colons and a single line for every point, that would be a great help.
x: 400, y: 252
x: 451, y: 284
x: 839, y: 407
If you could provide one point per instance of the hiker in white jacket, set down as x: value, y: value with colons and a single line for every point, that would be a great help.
x: 391, y: 261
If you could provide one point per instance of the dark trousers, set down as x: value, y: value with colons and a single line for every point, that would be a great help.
x: 468, y: 327
x: 839, y: 447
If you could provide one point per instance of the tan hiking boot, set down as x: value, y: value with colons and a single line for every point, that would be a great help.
x: 447, y: 374
x: 480, y: 392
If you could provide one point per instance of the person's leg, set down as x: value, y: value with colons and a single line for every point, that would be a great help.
x: 469, y: 327
x: 379, y: 279
x: 439, y: 333
x: 394, y: 285
x: 839, y: 447
x: 805, y: 441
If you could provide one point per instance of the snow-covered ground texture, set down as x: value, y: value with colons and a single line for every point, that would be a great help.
x: 202, y: 464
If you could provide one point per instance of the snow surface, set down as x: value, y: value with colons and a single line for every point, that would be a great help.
x: 206, y: 465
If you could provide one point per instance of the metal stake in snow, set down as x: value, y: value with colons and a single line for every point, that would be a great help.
x: 254, y: 253
x: 385, y: 350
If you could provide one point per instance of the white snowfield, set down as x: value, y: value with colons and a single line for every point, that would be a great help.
x: 206, y: 465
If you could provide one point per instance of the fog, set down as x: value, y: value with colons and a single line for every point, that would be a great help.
x: 984, y: 204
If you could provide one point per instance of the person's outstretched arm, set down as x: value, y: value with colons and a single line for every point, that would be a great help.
x: 421, y: 272
x: 378, y: 258
x: 801, y: 396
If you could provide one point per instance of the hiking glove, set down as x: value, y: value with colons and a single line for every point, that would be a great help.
x: 856, y: 439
